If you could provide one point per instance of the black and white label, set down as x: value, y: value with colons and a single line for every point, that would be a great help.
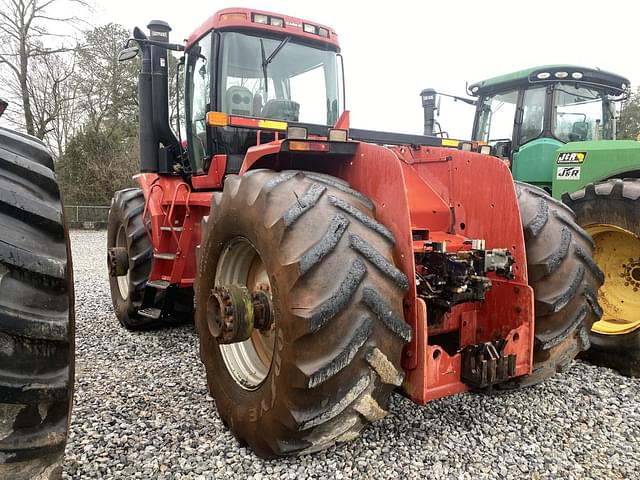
x: 568, y: 173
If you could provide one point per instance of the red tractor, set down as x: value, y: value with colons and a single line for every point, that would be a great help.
x: 329, y: 266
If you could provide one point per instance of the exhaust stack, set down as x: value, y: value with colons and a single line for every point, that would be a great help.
x: 158, y: 143
x: 429, y: 105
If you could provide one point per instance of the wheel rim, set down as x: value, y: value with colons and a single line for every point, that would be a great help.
x: 123, y: 280
x: 248, y: 362
x: 617, y: 253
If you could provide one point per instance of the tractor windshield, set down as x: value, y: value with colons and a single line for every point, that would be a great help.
x: 278, y: 78
x: 495, y: 120
x: 578, y: 113
x: 581, y: 113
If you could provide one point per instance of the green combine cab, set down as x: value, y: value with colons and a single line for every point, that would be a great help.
x: 556, y: 126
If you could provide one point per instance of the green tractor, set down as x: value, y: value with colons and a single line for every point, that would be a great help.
x: 556, y: 126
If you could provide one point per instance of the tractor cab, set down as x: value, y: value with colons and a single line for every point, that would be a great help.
x: 249, y: 75
x: 527, y: 115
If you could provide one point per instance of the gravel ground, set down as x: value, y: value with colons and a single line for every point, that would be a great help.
x: 142, y: 411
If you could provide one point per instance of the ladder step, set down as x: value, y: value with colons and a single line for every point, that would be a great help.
x: 153, y: 313
x: 164, y: 256
x: 168, y: 229
x: 159, y: 284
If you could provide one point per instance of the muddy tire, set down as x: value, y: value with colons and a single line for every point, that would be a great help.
x: 564, y: 278
x: 610, y: 212
x: 36, y: 313
x: 337, y: 296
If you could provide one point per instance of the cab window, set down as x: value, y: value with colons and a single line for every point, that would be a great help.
x: 580, y: 113
x: 279, y: 78
x: 198, y: 93
x: 533, y: 104
x: 497, y: 113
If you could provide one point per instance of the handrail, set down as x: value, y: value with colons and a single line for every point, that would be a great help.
x: 146, y: 209
x: 169, y: 216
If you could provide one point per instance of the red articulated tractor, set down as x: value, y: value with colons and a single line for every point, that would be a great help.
x: 329, y: 266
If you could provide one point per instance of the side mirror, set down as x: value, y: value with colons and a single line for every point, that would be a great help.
x: 128, y: 53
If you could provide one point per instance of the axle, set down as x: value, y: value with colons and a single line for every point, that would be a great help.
x: 233, y: 312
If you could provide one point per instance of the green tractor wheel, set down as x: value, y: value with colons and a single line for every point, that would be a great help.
x: 610, y: 212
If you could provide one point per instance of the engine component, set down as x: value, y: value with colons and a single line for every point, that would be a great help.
x: 446, y: 279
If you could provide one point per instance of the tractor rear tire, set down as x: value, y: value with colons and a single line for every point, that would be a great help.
x: 335, y: 344
x: 610, y: 212
x: 36, y: 313
x: 565, y: 281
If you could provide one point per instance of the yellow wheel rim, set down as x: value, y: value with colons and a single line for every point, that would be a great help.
x: 617, y: 253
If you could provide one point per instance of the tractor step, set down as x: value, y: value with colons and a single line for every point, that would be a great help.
x: 153, y: 313
x: 159, y: 284
x: 169, y: 229
x: 164, y: 256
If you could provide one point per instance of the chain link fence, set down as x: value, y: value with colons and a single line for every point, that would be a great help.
x: 89, y: 217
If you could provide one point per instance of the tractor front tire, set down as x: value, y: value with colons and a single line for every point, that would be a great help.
x: 36, y: 313
x: 564, y: 278
x: 334, y: 348
x: 610, y: 212
x: 125, y: 229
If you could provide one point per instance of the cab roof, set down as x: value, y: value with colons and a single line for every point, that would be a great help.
x: 244, y: 18
x: 546, y: 74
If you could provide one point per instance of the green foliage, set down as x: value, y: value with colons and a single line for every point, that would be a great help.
x: 629, y: 122
x: 95, y: 164
x: 102, y: 156
x: 107, y: 88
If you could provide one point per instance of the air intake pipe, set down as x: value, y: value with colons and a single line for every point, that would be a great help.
x: 429, y: 105
x: 147, y: 138
x: 153, y: 99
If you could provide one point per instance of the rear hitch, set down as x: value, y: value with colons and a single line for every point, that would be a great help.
x: 484, y: 364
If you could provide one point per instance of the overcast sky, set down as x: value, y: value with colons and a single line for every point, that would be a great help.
x: 393, y: 50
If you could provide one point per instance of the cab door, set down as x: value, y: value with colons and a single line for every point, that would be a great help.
x: 533, y: 146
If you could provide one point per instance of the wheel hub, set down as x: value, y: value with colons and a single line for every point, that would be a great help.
x: 631, y: 273
x: 617, y: 254
x: 118, y: 261
x: 233, y: 312
x: 248, y: 361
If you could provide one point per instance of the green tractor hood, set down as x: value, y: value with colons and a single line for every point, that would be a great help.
x: 579, y: 163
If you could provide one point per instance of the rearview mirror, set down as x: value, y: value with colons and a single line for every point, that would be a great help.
x: 128, y: 54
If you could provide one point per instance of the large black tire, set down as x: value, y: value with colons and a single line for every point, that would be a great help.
x: 36, y: 313
x: 613, y: 202
x: 125, y: 214
x: 337, y: 296
x: 127, y: 209
x: 564, y: 278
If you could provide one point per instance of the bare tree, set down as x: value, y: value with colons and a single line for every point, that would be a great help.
x: 107, y: 87
x: 26, y: 37
x: 48, y: 90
